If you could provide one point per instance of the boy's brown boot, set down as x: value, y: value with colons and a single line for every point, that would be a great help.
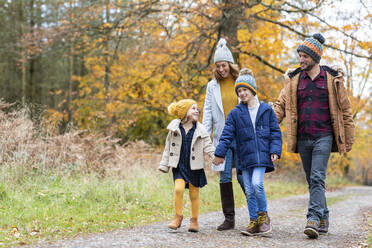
x: 264, y: 226
x: 252, y: 229
x: 323, y: 227
x: 311, y: 229
x: 194, y: 227
x: 176, y: 222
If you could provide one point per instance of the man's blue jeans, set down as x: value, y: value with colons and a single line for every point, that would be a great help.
x: 255, y: 191
x: 230, y: 158
x: 314, y: 155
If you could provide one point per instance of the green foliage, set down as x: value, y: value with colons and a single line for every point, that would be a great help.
x: 149, y: 127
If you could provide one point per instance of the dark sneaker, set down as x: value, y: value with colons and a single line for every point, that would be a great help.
x: 252, y: 229
x: 311, y: 229
x: 323, y: 227
x: 264, y: 226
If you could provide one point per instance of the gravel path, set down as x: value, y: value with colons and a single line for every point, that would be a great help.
x: 348, y: 227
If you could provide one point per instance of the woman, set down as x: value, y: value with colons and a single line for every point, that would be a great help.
x: 220, y: 99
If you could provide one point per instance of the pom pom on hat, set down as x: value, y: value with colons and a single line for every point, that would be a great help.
x: 319, y: 37
x: 223, y: 53
x: 246, y: 80
x: 313, y: 46
x: 222, y: 42
x: 180, y: 108
x: 245, y: 71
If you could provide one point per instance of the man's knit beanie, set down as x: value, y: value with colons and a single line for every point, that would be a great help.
x: 313, y: 46
x: 223, y: 53
x: 180, y: 108
x: 246, y: 80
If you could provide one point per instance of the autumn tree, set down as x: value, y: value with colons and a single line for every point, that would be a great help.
x: 114, y: 66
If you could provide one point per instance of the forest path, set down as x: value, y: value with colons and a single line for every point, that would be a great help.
x: 349, y: 208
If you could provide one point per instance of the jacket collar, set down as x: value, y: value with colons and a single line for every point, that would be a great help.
x: 174, y: 126
x: 335, y: 71
x: 261, y: 109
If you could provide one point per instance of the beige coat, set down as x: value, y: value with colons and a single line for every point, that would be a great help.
x: 201, y: 143
x: 339, y: 106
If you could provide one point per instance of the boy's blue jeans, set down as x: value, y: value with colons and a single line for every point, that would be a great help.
x: 255, y: 191
x: 231, y: 156
x: 314, y: 155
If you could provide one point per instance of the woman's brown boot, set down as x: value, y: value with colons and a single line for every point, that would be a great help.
x: 176, y: 222
x: 227, y: 200
x: 194, y: 227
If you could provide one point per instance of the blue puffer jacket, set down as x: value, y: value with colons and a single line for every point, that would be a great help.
x: 254, y: 148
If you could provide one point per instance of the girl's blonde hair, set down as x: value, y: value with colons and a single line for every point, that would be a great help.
x: 234, y: 71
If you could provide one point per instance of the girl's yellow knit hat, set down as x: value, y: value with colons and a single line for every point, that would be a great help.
x: 181, y: 107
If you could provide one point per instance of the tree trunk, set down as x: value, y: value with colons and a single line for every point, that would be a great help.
x: 31, y: 70
x: 71, y: 69
x: 231, y: 14
x: 107, y: 67
x: 23, y: 53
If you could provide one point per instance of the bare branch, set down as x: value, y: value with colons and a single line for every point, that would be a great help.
x: 306, y: 36
x: 298, y: 10
x: 263, y: 61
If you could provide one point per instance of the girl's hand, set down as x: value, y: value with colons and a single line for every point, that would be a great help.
x: 274, y: 157
x: 218, y: 160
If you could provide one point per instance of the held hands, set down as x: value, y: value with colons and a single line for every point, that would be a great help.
x: 274, y: 157
x: 218, y: 160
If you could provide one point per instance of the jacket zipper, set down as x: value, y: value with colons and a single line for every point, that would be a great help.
x: 255, y: 139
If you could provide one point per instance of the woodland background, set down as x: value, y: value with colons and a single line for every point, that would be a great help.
x: 113, y: 66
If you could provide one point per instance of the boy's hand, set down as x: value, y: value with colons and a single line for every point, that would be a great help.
x: 218, y: 160
x: 274, y: 157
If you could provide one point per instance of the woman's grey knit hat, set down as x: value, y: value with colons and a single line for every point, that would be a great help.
x: 223, y: 53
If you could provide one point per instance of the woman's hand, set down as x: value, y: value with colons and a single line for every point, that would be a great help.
x: 274, y: 157
x: 218, y: 160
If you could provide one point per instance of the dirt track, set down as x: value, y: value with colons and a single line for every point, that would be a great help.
x: 348, y: 227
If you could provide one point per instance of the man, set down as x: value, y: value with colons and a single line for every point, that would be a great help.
x: 319, y: 121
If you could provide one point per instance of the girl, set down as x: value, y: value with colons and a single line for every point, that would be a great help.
x: 186, y: 143
x: 220, y: 99
x: 259, y: 141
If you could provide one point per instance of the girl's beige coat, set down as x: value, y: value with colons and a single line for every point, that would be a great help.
x: 201, y: 144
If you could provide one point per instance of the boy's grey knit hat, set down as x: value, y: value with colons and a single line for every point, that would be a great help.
x: 223, y: 53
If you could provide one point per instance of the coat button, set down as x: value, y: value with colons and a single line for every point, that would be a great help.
x: 192, y: 149
x: 173, y: 144
x: 193, y: 158
x: 175, y: 134
x: 171, y: 154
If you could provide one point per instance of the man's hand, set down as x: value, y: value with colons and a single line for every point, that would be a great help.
x: 349, y: 147
x: 218, y: 160
x: 274, y: 157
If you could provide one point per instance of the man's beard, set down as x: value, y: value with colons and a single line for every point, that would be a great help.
x: 309, y: 66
